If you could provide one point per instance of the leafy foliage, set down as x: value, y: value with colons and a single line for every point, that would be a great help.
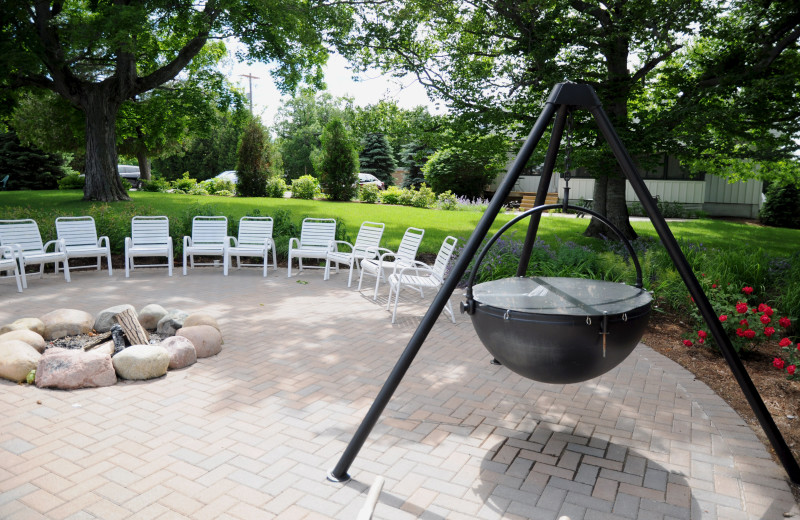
x: 782, y: 208
x: 339, y: 164
x: 28, y: 168
x: 276, y: 187
x: 458, y: 171
x: 414, y: 157
x: 73, y: 181
x: 305, y: 187
x: 369, y: 193
x: 251, y: 167
x: 376, y: 157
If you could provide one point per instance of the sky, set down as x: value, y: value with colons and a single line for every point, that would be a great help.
x: 369, y: 89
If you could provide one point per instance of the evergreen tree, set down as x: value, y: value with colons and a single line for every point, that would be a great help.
x: 377, y: 158
x: 252, y: 167
x: 339, y: 164
x: 414, y: 157
x: 28, y: 168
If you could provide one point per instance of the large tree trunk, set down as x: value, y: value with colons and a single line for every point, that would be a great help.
x: 609, y: 201
x: 102, y: 177
x: 144, y: 164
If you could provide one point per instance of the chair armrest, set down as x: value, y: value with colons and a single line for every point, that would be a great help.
x: 58, y: 245
x: 231, y: 240
x: 293, y: 240
x: 377, y: 250
x: 344, y: 242
x: 128, y: 243
x: 419, y: 267
x: 187, y: 241
x: 101, y: 240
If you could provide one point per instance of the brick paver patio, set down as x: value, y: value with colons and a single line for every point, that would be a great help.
x: 251, y: 433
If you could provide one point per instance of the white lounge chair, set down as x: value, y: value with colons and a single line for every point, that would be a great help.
x: 8, y: 263
x: 255, y: 239
x: 209, y: 238
x: 80, y: 239
x: 149, y: 237
x: 367, y: 243
x: 317, y: 238
x: 422, y: 276
x: 388, y: 260
x: 24, y: 237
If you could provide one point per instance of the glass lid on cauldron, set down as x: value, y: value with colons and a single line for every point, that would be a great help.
x: 564, y: 296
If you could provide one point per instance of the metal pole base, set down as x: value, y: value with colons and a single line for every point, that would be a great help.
x: 333, y: 478
x: 495, y: 362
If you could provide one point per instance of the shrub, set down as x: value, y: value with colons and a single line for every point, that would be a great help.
x: 459, y: 171
x: 225, y: 193
x: 391, y: 195
x: 339, y: 164
x: 252, y: 166
x: 29, y: 167
x: 305, y: 187
x: 369, y: 193
x: 424, y: 198
x: 156, y: 184
x: 185, y: 183
x: 276, y: 187
x: 447, y: 201
x: 780, y: 208
x: 197, y: 189
x: 215, y: 185
x: 406, y: 197
x: 72, y: 181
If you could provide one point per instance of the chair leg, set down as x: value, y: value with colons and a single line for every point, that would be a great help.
x: 274, y: 260
x: 184, y: 262
x: 41, y: 270
x: 127, y: 264
x: 169, y: 264
x: 266, y: 262
x: 377, y: 283
x: 98, y: 263
x: 66, y: 271
x: 396, y: 300
x: 17, y: 277
x: 449, y: 308
x: 327, y: 274
x: 22, y: 274
x: 350, y: 277
x: 225, y: 262
x: 289, y: 272
x: 108, y: 259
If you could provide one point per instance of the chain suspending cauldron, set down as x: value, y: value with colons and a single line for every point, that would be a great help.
x: 558, y: 330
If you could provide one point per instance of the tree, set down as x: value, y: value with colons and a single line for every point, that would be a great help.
x: 99, y: 55
x: 377, y: 157
x: 459, y: 171
x: 252, y: 167
x: 494, y: 62
x: 339, y: 164
x: 28, y: 168
x: 414, y: 157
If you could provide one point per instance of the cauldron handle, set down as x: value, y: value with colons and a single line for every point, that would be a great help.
x: 469, y: 305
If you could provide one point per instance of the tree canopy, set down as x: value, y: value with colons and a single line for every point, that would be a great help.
x: 669, y: 73
x: 98, y: 55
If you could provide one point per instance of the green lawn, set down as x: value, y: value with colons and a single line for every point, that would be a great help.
x: 45, y: 206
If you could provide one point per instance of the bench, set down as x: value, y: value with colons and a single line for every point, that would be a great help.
x: 529, y: 198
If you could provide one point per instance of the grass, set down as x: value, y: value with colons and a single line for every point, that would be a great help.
x: 437, y: 224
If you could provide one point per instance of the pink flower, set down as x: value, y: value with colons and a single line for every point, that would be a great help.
x: 777, y: 362
x: 768, y: 311
x: 762, y: 307
x: 741, y: 307
x: 765, y: 319
x: 740, y: 333
x: 785, y: 322
x: 749, y: 334
x: 702, y: 334
x: 724, y: 317
x: 687, y: 343
x: 790, y: 369
x: 747, y: 290
x: 785, y: 342
x: 701, y: 341
x: 713, y: 286
x: 743, y: 322
x: 769, y: 331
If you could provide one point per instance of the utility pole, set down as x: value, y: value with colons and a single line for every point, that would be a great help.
x: 250, y: 78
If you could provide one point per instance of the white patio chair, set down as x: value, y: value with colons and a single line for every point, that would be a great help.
x: 8, y: 263
x: 81, y: 241
x: 255, y: 239
x: 316, y: 240
x: 209, y: 238
x: 388, y: 260
x: 367, y: 241
x: 149, y: 237
x: 24, y: 237
x: 422, y: 276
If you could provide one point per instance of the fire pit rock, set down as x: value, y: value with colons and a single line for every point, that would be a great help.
x: 181, y: 352
x: 28, y: 336
x: 105, y: 319
x: 66, y: 322
x: 17, y: 359
x: 140, y: 362
x: 150, y: 315
x: 171, y: 322
x: 206, y: 339
x: 70, y: 369
x: 34, y: 324
x: 200, y: 318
